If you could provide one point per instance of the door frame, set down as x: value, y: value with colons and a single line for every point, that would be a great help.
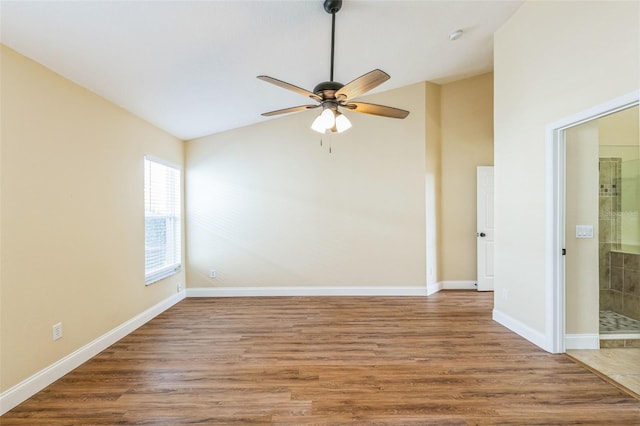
x: 555, y: 289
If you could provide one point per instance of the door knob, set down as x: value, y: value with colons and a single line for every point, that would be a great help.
x: 481, y: 234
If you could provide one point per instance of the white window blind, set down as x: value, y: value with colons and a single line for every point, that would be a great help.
x: 162, y: 220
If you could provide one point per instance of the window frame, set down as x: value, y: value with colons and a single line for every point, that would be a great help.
x: 173, y: 268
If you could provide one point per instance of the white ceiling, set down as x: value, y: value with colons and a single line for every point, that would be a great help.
x: 190, y: 67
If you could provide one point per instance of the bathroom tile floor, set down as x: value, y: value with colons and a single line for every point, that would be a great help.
x: 622, y: 365
x: 613, y: 322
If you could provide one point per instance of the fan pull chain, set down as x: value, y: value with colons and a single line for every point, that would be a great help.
x: 330, y: 137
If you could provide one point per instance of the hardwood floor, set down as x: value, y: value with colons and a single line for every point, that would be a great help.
x: 359, y: 360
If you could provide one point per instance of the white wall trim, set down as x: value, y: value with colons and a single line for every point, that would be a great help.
x: 554, y: 239
x: 459, y: 285
x: 520, y: 328
x: 32, y: 385
x: 433, y: 288
x: 305, y: 291
x: 555, y: 215
x: 582, y: 341
x: 451, y: 285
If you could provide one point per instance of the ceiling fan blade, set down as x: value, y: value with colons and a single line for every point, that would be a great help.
x: 362, y: 84
x: 288, y: 110
x: 384, y: 111
x: 285, y: 85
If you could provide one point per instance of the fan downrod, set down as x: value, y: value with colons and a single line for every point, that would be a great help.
x: 332, y: 6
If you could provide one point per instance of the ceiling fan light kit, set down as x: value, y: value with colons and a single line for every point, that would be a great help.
x: 342, y: 122
x: 332, y: 96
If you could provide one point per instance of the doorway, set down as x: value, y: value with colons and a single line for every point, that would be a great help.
x: 586, y: 233
x: 602, y: 231
x: 558, y: 336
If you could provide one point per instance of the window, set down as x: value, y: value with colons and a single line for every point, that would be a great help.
x: 161, y: 220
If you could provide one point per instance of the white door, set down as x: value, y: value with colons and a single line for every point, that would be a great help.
x: 484, y: 228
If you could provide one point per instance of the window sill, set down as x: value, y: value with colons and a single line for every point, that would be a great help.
x: 163, y: 273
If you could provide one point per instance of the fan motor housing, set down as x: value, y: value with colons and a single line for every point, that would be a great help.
x: 326, y: 89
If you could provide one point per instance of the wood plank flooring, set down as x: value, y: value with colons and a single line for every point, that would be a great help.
x: 343, y: 360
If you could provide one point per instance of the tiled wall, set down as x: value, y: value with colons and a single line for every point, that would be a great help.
x: 619, y: 272
x: 624, y: 293
x: 609, y: 223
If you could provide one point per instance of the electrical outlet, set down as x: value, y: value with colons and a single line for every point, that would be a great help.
x: 212, y: 273
x: 505, y: 294
x: 179, y: 287
x: 57, y: 331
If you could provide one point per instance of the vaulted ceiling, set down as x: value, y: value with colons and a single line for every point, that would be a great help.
x: 190, y: 67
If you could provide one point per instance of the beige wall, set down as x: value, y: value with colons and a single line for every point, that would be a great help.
x: 552, y: 60
x: 268, y: 206
x: 467, y: 142
x: 72, y: 232
x: 433, y: 182
x: 581, y: 263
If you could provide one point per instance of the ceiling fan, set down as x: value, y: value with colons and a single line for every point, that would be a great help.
x: 332, y: 96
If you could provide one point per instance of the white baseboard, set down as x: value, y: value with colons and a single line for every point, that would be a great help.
x: 582, y: 341
x: 433, y: 288
x: 534, y: 336
x: 459, y: 285
x: 32, y: 385
x: 451, y: 285
x: 305, y: 291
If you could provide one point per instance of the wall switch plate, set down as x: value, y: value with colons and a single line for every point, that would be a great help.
x: 584, y: 231
x: 57, y: 331
x: 212, y: 273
